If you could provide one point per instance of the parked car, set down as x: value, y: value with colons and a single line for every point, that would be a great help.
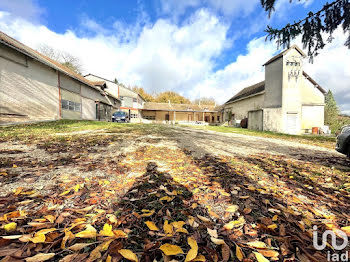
x: 120, y: 117
x: 343, y: 141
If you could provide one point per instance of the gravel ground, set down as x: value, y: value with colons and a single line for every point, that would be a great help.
x: 43, y: 170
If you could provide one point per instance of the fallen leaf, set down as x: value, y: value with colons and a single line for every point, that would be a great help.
x: 10, y: 227
x: 217, y: 241
x: 151, y: 226
x: 40, y: 257
x: 239, y: 253
x: 212, y: 232
x: 171, y: 250
x: 232, y: 208
x: 257, y: 244
x: 199, y: 258
x: 89, y: 232
x: 168, y: 228
x: 79, y: 246
x: 106, y: 231
x: 192, y: 254
x: 38, y: 239
x: 260, y: 257
x: 128, y: 254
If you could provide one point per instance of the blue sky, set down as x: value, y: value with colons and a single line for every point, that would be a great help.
x: 195, y: 47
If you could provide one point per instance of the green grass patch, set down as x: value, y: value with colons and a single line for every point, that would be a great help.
x: 324, y: 141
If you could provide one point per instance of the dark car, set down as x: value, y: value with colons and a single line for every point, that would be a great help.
x: 120, y: 116
x: 343, y: 141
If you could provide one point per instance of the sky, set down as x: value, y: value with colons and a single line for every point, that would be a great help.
x: 198, y: 48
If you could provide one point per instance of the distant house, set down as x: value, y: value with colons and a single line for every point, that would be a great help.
x: 181, y: 113
x: 287, y: 101
x: 131, y: 102
x: 34, y: 87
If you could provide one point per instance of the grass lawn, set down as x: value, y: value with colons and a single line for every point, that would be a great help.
x: 323, y: 141
x: 97, y: 191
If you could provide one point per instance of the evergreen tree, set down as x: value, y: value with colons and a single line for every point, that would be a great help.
x: 331, y: 112
x: 311, y: 28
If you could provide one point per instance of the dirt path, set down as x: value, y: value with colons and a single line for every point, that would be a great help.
x: 211, y: 142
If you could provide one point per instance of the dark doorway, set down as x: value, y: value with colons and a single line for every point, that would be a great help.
x: 167, y: 117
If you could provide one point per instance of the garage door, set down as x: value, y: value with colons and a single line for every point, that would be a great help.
x: 292, y: 124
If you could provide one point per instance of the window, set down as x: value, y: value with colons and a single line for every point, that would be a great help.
x: 122, y: 98
x: 150, y: 117
x: 134, y: 116
x: 134, y: 100
x: 218, y: 118
x: 70, y: 105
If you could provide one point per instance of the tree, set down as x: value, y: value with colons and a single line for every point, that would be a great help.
x: 331, y: 112
x: 116, y: 81
x: 311, y: 28
x: 173, y: 97
x: 66, y: 59
x: 205, y: 101
x: 143, y: 93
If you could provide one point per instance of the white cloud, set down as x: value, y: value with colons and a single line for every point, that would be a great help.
x: 166, y: 56
x: 28, y: 9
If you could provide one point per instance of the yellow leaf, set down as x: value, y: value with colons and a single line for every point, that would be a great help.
x: 107, y: 231
x: 237, y: 223
x: 260, y: 257
x: 14, y: 165
x: 346, y: 230
x: 12, y: 237
x: 65, y: 193
x: 67, y: 236
x: 10, y: 227
x: 217, y: 241
x: 168, y: 228
x: 151, y: 226
x: 232, y: 208
x: 268, y: 253
x: 119, y: 234
x: 204, y: 219
x: 257, y: 244
x: 239, y: 253
x: 38, y: 239
x: 79, y: 246
x: 212, y: 232
x: 104, y: 246
x: 89, y: 232
x: 166, y: 198
x: 192, y: 254
x: 76, y: 188
x: 45, y: 231
x: 273, y: 226
x: 171, y: 250
x: 50, y: 218
x: 199, y: 258
x: 147, y: 213
x: 40, y: 257
x: 109, y: 258
x: 178, y: 225
x: 275, y: 218
x: 128, y: 254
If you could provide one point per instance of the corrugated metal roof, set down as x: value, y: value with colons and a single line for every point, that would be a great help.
x: 248, y: 91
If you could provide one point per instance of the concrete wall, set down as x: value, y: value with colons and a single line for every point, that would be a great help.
x: 272, y: 119
x: 312, y: 116
x: 273, y: 84
x: 28, y: 89
x: 88, y: 109
x: 255, y: 120
x: 241, y: 108
x: 181, y: 116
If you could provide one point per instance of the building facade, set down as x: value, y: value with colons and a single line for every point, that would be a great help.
x: 34, y: 87
x: 288, y: 101
x: 131, y: 102
x: 180, y: 113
